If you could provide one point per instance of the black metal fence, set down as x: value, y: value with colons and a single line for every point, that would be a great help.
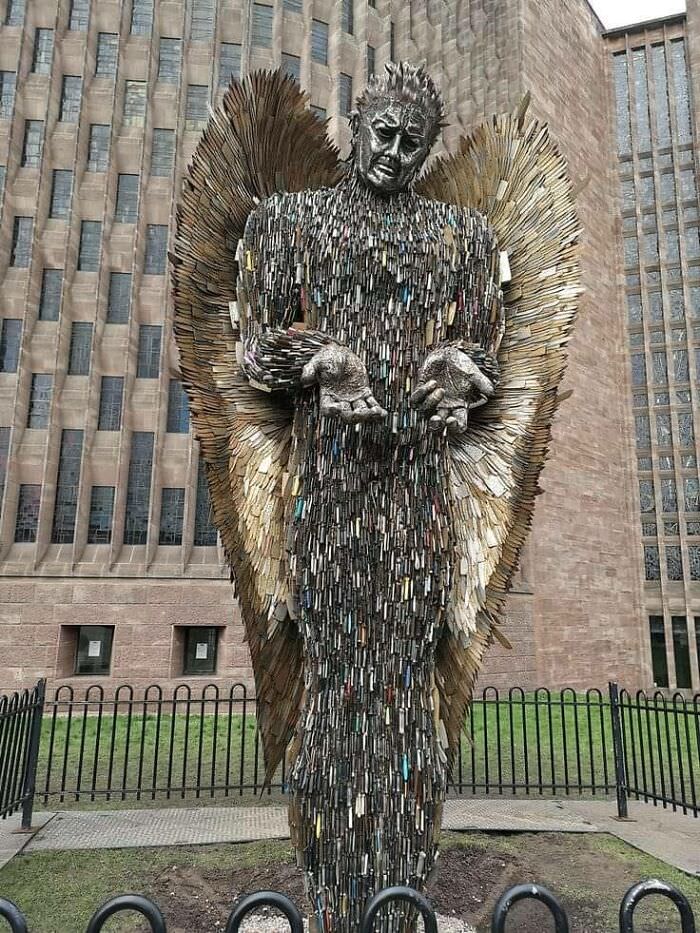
x: 202, y: 744
x: 20, y: 730
x: 381, y: 901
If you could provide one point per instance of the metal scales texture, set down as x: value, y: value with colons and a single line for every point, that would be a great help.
x: 373, y: 399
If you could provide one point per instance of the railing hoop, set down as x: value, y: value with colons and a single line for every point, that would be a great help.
x: 398, y: 893
x: 123, y: 902
x: 522, y: 892
x: 654, y: 886
x: 279, y: 902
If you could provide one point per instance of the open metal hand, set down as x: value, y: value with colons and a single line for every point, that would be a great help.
x: 450, y: 384
x: 342, y: 379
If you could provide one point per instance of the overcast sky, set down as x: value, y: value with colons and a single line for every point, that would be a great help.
x: 623, y: 12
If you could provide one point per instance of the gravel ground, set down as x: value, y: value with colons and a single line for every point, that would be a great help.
x: 261, y: 924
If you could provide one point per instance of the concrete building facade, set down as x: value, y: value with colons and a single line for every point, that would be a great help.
x: 109, y: 567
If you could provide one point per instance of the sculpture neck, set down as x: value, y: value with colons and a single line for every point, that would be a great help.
x: 358, y: 190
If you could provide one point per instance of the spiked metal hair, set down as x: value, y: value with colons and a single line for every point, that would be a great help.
x: 407, y: 83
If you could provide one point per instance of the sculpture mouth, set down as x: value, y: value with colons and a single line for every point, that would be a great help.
x: 386, y: 169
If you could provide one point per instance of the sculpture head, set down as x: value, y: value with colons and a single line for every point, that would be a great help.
x: 396, y: 123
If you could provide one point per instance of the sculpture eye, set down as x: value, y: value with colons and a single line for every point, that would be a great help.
x: 384, y: 133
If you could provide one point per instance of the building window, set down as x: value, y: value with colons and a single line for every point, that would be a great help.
x: 141, y: 17
x: 162, y: 153
x: 371, y: 61
x: 134, y: 103
x: 71, y: 92
x: 33, y: 143
x: 148, y: 360
x: 107, y: 54
x: 22, y: 232
x: 204, y: 528
x: 663, y: 429
x: 43, y: 51
x: 67, y: 483
x: 681, y: 651
x: 639, y: 369
x: 7, y: 94
x: 669, y: 501
x: 10, y: 337
x: 14, y: 13
x: 127, y: 207
x: 80, y: 346
x: 658, y: 70
x: 51, y: 290
x: 293, y: 6
x: 98, y: 147
x: 201, y: 644
x: 344, y: 94
x: 659, y: 368
x: 196, y: 106
x: 319, y: 41
x: 61, y: 191
x: 291, y: 65
x: 178, y: 410
x: 79, y: 15
x: 642, y: 431
x: 392, y: 41
x: 119, y: 298
x: 657, y: 637
x: 156, y: 249
x: 172, y: 510
x: 229, y: 62
x: 319, y: 112
x: 674, y: 564
x: 169, y: 60
x: 138, y: 488
x: 686, y: 433
x: 691, y: 492
x: 93, y: 653
x: 101, y: 512
x: 262, y: 26
x: 89, y: 251
x: 694, y: 561
x: 202, y: 22
x: 4, y: 456
x: 40, y: 400
x: 679, y: 71
x: 652, y: 568
x: 110, y: 412
x: 27, y: 520
x: 646, y: 495
x: 347, y: 16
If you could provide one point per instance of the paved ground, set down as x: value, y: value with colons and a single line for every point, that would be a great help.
x: 669, y: 836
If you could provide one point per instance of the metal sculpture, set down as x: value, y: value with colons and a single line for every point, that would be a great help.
x: 373, y: 403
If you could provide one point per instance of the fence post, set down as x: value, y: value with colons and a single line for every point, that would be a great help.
x: 29, y: 787
x: 618, y: 750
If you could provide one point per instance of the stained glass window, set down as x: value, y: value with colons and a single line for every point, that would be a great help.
x: 101, y: 512
x: 652, y: 568
x: 27, y: 520
x: 646, y: 495
x: 67, y: 482
x: 172, y: 510
x: 669, y: 502
x: 138, y: 490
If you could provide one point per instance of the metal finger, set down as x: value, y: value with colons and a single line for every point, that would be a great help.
x: 433, y: 400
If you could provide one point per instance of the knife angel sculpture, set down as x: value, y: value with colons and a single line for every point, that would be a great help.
x: 372, y: 358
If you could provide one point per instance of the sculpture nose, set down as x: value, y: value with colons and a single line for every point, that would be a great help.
x: 393, y: 149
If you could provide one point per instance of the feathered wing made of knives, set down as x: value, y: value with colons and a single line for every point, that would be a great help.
x: 371, y: 560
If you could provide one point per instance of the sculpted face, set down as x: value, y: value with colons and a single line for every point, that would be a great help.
x: 391, y: 145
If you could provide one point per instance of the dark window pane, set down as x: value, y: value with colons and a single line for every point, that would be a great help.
x: 61, y: 190
x: 89, y: 252
x: 98, y: 147
x: 172, y: 510
x: 344, y: 94
x: 291, y: 65
x: 148, y: 361
x: 14, y: 13
x: 107, y: 54
x: 694, y: 561
x: 202, y: 22
x: 652, y: 568
x: 162, y: 153
x: 200, y: 650
x: 80, y: 347
x: 674, y: 564
x: 27, y: 514
x: 40, y: 400
x: 204, y: 529
x: 7, y: 94
x: 119, y: 298
x: 51, y: 289
x: 178, y: 410
x: 170, y: 60
x: 642, y: 430
x: 4, y: 457
x: 639, y: 369
x: 229, y: 62
x: 293, y: 6
x: 111, y: 395
x: 668, y: 495
x: 320, y: 112
x: 156, y: 249
x: 134, y: 103
x: 681, y: 651
x: 392, y: 41
x: 262, y: 25
x: 138, y: 489
x: 319, y: 41
x: 67, y: 483
x: 646, y: 495
x: 679, y: 71
x: 22, y: 232
x: 371, y: 61
x: 686, y: 434
x: 141, y: 17
x: 658, y: 651
x: 127, y: 206
x: 79, y: 15
x: 33, y: 143
x: 101, y: 512
x: 71, y: 93
x: 196, y: 106
x: 347, y: 16
x: 660, y: 82
x: 663, y: 429
x: 10, y: 337
x: 641, y: 99
x: 94, y: 649
x: 691, y: 490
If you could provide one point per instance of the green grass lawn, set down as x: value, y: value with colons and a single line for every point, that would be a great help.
x: 532, y: 745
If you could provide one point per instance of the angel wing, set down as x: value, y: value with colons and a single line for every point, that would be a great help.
x: 261, y: 140
x: 509, y: 169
